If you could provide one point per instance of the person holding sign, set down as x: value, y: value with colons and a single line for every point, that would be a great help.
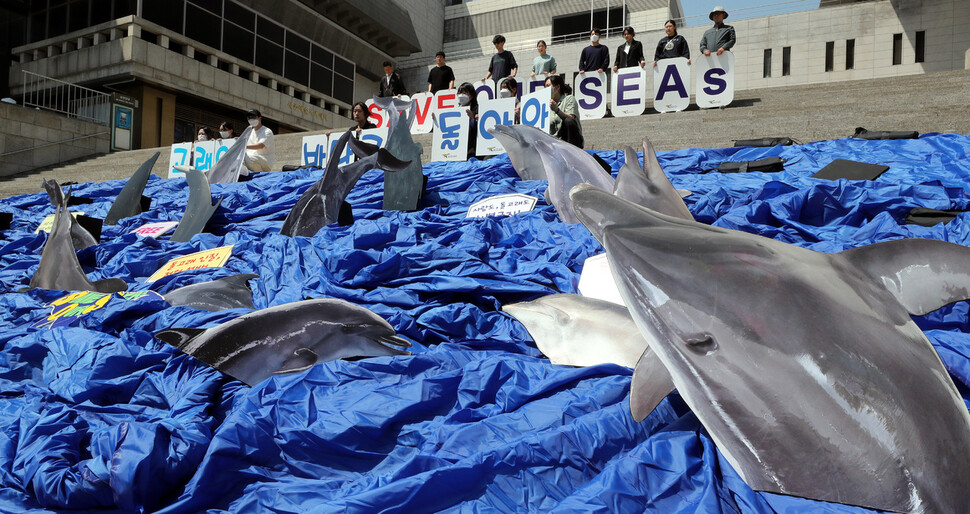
x: 565, y: 125
x: 360, y: 116
x: 226, y: 130
x: 595, y: 57
x: 630, y: 53
x: 509, y: 88
x: 468, y: 100
x: 672, y: 45
x: 206, y: 134
x: 441, y: 76
x: 544, y: 64
x: 720, y: 37
x: 260, y: 148
x: 503, y: 62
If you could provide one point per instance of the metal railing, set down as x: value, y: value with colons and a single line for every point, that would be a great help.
x: 63, y: 97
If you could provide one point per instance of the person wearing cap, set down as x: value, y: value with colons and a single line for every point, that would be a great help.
x: 720, y: 37
x: 260, y: 148
x: 391, y: 83
x: 503, y: 62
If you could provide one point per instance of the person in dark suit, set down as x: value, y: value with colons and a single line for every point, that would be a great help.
x: 391, y: 83
x: 629, y: 53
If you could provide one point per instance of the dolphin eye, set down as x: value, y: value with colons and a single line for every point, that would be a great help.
x: 703, y: 344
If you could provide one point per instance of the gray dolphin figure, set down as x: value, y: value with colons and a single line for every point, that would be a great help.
x: 403, y: 189
x: 566, y: 166
x: 231, y: 292
x: 519, y: 142
x: 231, y: 162
x: 288, y: 338
x: 128, y: 201
x: 59, y: 268
x: 199, y: 208
x: 649, y: 186
x: 805, y: 367
x: 320, y: 205
x: 80, y: 237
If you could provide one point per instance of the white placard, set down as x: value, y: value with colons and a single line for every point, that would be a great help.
x: 444, y: 100
x: 346, y: 157
x: 534, y: 109
x: 155, y: 229
x: 491, y: 113
x: 484, y: 90
x: 422, y: 123
x: 376, y: 136
x: 671, y: 80
x: 502, y: 205
x: 629, y: 92
x: 223, y: 146
x: 534, y: 85
x: 450, y: 141
x: 715, y: 80
x: 596, y: 280
x: 316, y: 148
x: 376, y: 115
x: 590, y: 91
x: 203, y: 155
x: 179, y: 157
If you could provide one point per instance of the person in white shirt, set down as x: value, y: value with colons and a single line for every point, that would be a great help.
x: 260, y: 148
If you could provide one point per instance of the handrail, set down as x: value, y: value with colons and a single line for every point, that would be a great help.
x: 31, y: 149
x: 63, y: 97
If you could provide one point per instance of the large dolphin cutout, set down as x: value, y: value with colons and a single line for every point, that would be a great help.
x: 59, y: 267
x: 567, y: 166
x: 289, y: 338
x: 805, y: 367
x: 519, y: 142
x: 403, y: 189
x: 128, y: 202
x: 649, y: 186
x: 231, y: 162
x: 199, y: 208
x: 81, y: 238
x: 320, y: 205
x: 231, y: 292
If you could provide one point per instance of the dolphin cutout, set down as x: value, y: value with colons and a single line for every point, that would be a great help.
x: 231, y: 292
x: 231, y: 162
x: 649, y: 186
x: 567, y: 166
x: 320, y: 205
x: 805, y: 367
x: 81, y: 238
x: 128, y: 202
x: 59, y: 268
x: 403, y: 189
x: 519, y: 142
x: 289, y: 338
x: 199, y: 208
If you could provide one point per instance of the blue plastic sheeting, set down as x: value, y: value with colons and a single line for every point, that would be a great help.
x: 100, y: 415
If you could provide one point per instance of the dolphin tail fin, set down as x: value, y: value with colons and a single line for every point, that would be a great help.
x: 362, y: 149
x: 941, y: 278
x: 178, y: 337
x: 387, y: 162
x: 650, y: 385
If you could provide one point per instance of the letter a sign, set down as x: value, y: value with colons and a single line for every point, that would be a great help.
x: 671, y: 80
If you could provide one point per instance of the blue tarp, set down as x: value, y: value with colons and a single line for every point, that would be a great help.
x: 102, y: 416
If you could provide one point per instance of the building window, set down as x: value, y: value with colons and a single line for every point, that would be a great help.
x: 786, y: 61
x: 767, y: 71
x: 575, y: 27
x: 920, y: 46
x: 830, y: 56
x: 897, y: 49
x: 850, y: 54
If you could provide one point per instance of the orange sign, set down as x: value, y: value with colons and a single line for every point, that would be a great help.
x: 205, y: 259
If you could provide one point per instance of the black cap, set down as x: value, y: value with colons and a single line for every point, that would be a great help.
x: 254, y: 112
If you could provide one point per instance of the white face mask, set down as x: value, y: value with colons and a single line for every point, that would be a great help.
x: 224, y: 133
x: 505, y: 93
x: 203, y: 138
x: 594, y: 38
x: 464, y: 99
x: 253, y: 122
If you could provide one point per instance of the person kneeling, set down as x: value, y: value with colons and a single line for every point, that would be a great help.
x: 565, y: 125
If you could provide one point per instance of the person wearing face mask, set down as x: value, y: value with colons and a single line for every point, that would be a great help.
x: 565, y: 124
x: 671, y: 45
x: 206, y: 134
x: 544, y: 64
x: 629, y: 53
x: 509, y: 88
x: 226, y: 130
x: 467, y: 99
x: 595, y: 57
x: 260, y: 148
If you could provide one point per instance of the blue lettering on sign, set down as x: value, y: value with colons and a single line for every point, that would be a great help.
x: 450, y: 133
x: 535, y: 85
x: 203, y: 159
x: 625, y: 83
x: 487, y: 88
x: 345, y: 157
x: 185, y: 155
x: 315, y: 157
x: 535, y: 113
x: 221, y: 150
x: 672, y: 81
x: 374, y: 139
x: 586, y: 88
x: 499, y: 118
x: 719, y: 84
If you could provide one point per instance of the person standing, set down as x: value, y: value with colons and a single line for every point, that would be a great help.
x: 391, y: 83
x: 260, y: 148
x: 671, y: 45
x: 629, y: 53
x: 595, y: 57
x: 503, y: 62
x: 441, y: 76
x: 544, y: 64
x: 720, y: 37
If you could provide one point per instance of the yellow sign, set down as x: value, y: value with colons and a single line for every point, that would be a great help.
x: 205, y: 259
x: 48, y: 222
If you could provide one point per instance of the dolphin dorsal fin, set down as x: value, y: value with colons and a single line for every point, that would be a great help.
x: 651, y: 383
x: 923, y: 274
x: 178, y: 337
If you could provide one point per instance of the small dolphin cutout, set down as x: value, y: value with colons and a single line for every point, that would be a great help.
x: 289, y: 338
x: 129, y: 201
x: 199, y: 207
x: 231, y: 292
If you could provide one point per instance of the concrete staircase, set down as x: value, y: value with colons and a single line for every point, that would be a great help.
x: 936, y: 102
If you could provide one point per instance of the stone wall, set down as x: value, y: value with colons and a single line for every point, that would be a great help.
x: 31, y: 139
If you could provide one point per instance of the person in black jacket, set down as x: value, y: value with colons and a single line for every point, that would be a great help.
x: 673, y: 45
x: 630, y: 53
x: 391, y: 83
